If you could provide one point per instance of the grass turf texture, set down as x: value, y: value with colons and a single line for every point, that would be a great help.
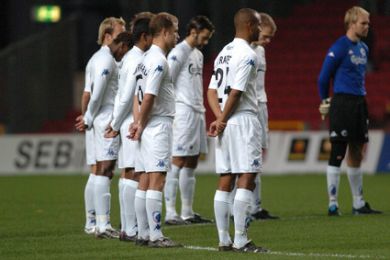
x: 42, y: 217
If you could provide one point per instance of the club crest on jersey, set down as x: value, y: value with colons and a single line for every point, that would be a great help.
x: 159, y: 68
x: 105, y: 72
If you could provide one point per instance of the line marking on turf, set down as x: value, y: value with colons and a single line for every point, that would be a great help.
x: 294, y: 254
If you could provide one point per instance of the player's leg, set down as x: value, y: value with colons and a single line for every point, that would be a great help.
x: 130, y: 185
x: 121, y: 204
x: 140, y: 209
x: 222, y: 210
x: 196, y: 140
x: 337, y: 154
x: 104, y: 174
x: 90, y: 213
x: 355, y: 177
x: 170, y: 191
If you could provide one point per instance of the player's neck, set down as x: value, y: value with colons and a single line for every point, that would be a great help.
x: 161, y: 43
x: 243, y: 36
x: 352, y: 36
x: 191, y: 41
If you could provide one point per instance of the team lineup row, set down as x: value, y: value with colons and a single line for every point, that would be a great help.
x: 143, y: 106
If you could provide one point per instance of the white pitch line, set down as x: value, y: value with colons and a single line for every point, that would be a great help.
x: 292, y: 254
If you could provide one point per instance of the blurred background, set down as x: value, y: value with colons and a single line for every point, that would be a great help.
x: 45, y: 46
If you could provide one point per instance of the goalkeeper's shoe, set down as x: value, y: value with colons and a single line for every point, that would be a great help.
x: 366, y: 209
x: 333, y: 211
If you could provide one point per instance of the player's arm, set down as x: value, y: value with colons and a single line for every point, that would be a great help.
x: 100, y: 79
x: 212, y: 98
x: 176, y: 60
x: 84, y: 104
x: 146, y: 107
x: 329, y: 67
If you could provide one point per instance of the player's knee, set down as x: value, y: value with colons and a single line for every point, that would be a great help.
x: 337, y: 153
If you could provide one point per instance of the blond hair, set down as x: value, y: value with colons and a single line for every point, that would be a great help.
x: 352, y: 14
x: 107, y: 26
x: 268, y: 21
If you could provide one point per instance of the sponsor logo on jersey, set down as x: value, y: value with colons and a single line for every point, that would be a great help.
x: 194, y: 71
x: 105, y: 72
x: 256, y: 163
x: 251, y: 62
x: 160, y: 163
x: 159, y: 68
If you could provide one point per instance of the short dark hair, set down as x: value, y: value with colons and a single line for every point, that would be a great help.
x: 125, y: 38
x: 140, y: 26
x: 199, y: 23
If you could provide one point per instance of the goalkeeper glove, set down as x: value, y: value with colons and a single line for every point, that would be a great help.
x: 324, y: 108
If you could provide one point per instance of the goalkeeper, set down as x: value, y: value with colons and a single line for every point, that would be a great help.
x: 345, y: 66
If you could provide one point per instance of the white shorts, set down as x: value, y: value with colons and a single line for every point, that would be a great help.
x: 263, y: 118
x: 154, y: 148
x: 90, y: 154
x: 238, y: 149
x: 106, y: 148
x: 189, y: 132
x: 127, y: 150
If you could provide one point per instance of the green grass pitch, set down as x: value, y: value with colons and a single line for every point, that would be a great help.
x: 42, y: 217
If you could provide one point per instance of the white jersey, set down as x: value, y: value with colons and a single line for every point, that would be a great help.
x: 104, y: 83
x: 126, y: 87
x: 88, y: 79
x: 155, y: 79
x: 235, y: 68
x: 186, y: 66
x: 262, y: 67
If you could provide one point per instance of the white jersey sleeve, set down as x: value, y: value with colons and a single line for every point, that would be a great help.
x: 127, y: 87
x: 177, y: 58
x: 158, y: 70
x: 88, y: 80
x: 100, y: 77
x: 260, y: 80
x: 246, y: 65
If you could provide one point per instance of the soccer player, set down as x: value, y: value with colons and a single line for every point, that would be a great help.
x: 189, y: 127
x: 268, y: 30
x: 122, y: 117
x: 345, y: 66
x: 152, y: 127
x: 104, y: 80
x: 237, y: 128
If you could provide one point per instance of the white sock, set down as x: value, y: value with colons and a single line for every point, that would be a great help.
x: 187, y: 189
x: 333, y: 181
x: 222, y: 216
x: 355, y: 177
x: 140, y: 212
x: 256, y: 203
x: 130, y: 187
x: 121, y: 204
x: 170, y: 191
x: 90, y: 213
x: 242, y: 209
x: 153, y: 209
x: 231, y: 199
x: 102, y: 202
